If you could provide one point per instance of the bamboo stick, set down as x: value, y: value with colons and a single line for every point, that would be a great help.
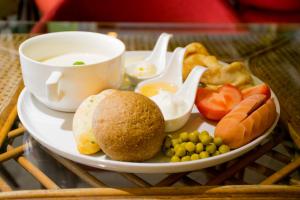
x: 7, y: 125
x: 12, y: 153
x: 4, y: 187
x: 135, y: 179
x: 294, y: 181
x: 261, y: 169
x: 171, y: 179
x: 290, y: 147
x: 224, y: 192
x: 37, y: 173
x: 234, y: 181
x: 294, y: 135
x: 34, y: 171
x: 212, y: 172
x: 279, y: 156
x: 188, y: 181
x: 76, y: 169
x: 248, y: 158
x: 282, y: 172
x: 16, y: 132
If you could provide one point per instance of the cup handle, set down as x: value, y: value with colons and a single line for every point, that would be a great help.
x: 52, y: 86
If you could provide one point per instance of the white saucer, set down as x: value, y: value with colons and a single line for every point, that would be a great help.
x: 53, y: 130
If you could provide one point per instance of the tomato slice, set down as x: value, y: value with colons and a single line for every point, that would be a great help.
x: 258, y: 89
x: 232, y: 95
x: 214, y: 105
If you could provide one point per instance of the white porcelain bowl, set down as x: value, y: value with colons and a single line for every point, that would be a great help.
x: 63, y: 88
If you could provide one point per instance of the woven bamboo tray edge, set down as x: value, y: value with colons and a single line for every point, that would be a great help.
x: 202, y: 191
x: 8, y: 122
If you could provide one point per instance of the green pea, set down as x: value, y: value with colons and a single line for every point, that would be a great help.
x: 184, y: 136
x: 79, y: 62
x: 216, y: 153
x: 176, y: 146
x: 193, y: 136
x: 169, y: 152
x: 168, y: 142
x: 211, y: 148
x: 195, y: 156
x: 183, y: 144
x: 180, y: 151
x: 175, y: 141
x: 199, y: 147
x: 218, y: 141
x: 204, y: 133
x: 204, y: 154
x: 205, y: 139
x: 190, y: 147
x: 175, y: 159
x: 186, y: 158
x: 224, y: 148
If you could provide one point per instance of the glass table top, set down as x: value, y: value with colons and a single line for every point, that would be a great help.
x: 271, y: 51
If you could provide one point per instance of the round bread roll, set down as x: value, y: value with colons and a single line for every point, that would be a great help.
x: 82, y: 123
x: 128, y: 126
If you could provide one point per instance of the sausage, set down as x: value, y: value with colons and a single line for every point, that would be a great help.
x: 247, y: 121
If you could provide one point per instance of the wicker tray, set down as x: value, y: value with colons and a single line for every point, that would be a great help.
x: 232, y: 174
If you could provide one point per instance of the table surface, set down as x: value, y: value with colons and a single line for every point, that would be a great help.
x: 271, y: 51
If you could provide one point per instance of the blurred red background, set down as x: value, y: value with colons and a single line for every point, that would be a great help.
x: 204, y: 11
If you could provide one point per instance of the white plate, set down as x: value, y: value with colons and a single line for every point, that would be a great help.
x: 53, y: 130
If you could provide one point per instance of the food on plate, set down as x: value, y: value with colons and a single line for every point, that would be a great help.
x: 248, y: 120
x: 192, y: 57
x: 170, y: 106
x: 258, y: 89
x: 82, y: 123
x: 79, y: 63
x: 152, y: 89
x: 162, y: 94
x: 128, y: 126
x: 75, y: 59
x: 234, y: 73
x: 141, y: 70
x: 214, y: 105
x: 218, y: 73
x: 224, y: 149
x: 151, y: 65
x: 176, y: 108
x: 193, y: 146
x: 195, y: 48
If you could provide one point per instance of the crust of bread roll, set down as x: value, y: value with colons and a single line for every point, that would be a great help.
x: 129, y: 126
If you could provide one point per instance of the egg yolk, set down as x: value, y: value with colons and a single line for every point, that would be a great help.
x: 86, y: 143
x: 153, y: 89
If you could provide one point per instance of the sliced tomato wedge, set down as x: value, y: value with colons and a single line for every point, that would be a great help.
x: 214, y: 105
x: 258, y: 89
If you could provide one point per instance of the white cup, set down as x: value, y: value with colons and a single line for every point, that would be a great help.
x: 63, y: 88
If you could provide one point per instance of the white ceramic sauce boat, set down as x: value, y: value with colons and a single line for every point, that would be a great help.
x: 172, y: 73
x: 157, y: 58
x: 187, y: 92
